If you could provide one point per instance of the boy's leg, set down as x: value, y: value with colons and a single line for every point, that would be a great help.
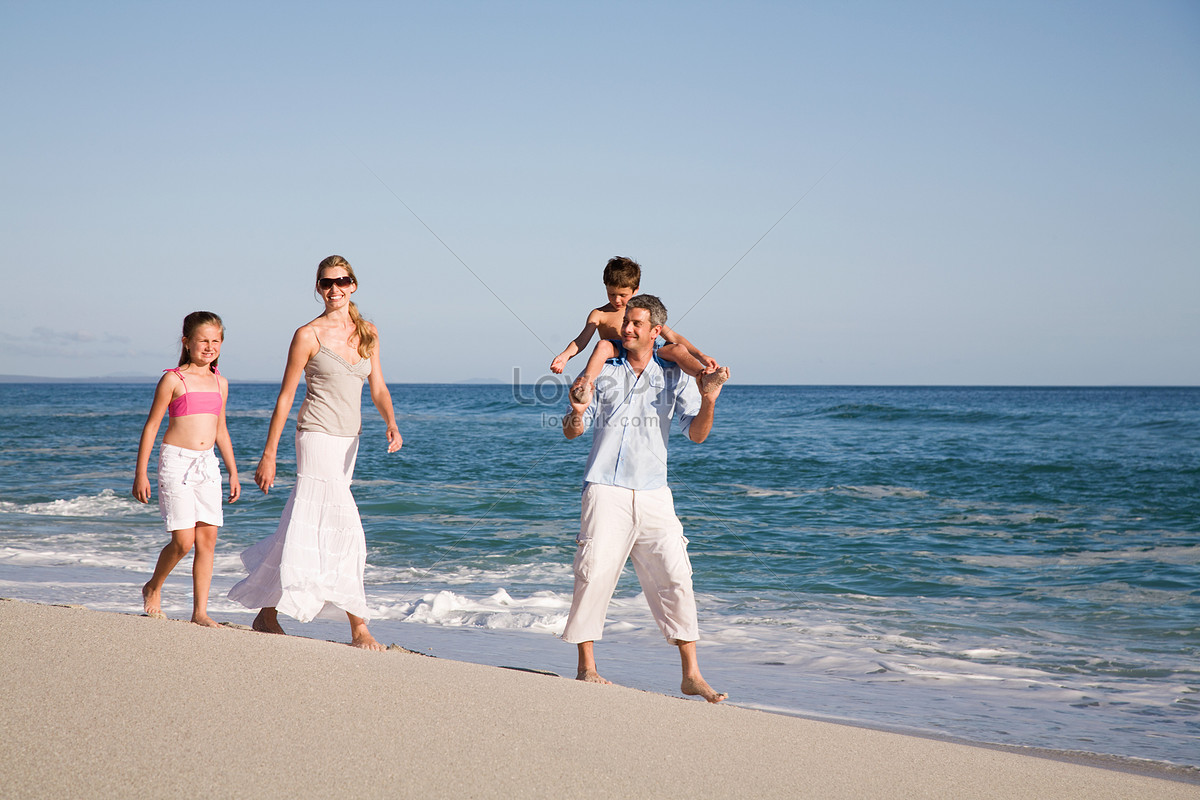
x: 581, y: 389
x: 678, y: 354
x: 181, y: 542
x: 202, y: 570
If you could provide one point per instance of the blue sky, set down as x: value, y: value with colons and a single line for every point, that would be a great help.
x: 980, y: 192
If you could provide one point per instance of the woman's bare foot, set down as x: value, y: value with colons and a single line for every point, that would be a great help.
x: 700, y: 688
x: 152, y: 602
x: 361, y: 637
x: 591, y: 676
x: 267, y: 621
x: 367, y: 642
x: 205, y: 620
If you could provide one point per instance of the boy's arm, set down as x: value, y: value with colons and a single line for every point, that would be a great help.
x: 674, y: 337
x: 577, y: 344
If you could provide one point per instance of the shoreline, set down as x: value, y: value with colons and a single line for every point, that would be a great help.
x: 1127, y: 764
x: 121, y: 704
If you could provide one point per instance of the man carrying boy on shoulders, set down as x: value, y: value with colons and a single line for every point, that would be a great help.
x: 628, y: 509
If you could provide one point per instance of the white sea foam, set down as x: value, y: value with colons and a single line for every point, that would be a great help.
x: 459, y: 575
x: 542, y: 612
x: 879, y: 492
x: 986, y: 653
x: 105, y: 504
x: 760, y: 491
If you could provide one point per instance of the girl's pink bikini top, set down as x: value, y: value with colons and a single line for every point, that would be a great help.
x: 190, y: 403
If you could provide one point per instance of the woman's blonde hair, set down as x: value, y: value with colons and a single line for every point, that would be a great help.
x: 366, y: 336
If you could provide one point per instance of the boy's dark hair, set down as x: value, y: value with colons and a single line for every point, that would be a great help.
x: 622, y: 272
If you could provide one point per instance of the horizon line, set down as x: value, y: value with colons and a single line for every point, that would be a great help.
x: 137, y: 379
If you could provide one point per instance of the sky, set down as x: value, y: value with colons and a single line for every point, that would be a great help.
x: 921, y: 193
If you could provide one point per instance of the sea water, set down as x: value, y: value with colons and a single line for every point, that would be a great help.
x: 1004, y: 565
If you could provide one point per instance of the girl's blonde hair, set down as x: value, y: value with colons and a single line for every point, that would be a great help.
x: 191, y: 323
x: 366, y: 336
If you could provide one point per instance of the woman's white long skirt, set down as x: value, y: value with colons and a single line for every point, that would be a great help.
x: 312, y: 566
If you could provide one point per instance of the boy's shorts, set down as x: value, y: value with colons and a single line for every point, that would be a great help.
x: 189, y: 487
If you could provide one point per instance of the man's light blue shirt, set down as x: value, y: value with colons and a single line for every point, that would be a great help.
x: 630, y: 416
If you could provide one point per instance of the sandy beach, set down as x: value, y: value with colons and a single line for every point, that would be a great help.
x: 100, y: 704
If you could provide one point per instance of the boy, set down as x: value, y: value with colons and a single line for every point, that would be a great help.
x: 622, y: 278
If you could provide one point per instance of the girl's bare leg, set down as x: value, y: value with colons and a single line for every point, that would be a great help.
x: 360, y: 636
x: 202, y: 570
x: 179, y: 546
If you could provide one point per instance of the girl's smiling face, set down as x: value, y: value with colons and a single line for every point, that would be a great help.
x: 204, y: 345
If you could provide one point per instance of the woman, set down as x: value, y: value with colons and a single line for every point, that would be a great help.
x: 313, y: 564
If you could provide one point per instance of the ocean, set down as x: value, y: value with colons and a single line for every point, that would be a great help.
x: 1018, y: 566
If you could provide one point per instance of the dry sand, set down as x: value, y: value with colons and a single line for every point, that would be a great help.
x: 97, y: 704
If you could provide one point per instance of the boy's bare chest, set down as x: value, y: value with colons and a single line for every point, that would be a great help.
x: 609, y: 325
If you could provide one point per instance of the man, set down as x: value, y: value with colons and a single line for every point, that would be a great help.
x: 627, y: 506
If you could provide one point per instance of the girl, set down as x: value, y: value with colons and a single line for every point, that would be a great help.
x: 313, y: 564
x: 189, y: 481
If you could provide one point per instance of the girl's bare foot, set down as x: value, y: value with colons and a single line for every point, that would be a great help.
x: 267, y: 621
x: 700, y: 688
x: 205, y: 620
x: 591, y: 676
x: 152, y: 602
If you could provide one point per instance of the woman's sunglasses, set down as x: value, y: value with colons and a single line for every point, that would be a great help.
x: 341, y: 282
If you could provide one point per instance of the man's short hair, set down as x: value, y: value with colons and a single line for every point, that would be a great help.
x: 623, y: 273
x: 658, y: 312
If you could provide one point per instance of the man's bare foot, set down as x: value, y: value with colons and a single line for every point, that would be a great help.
x: 152, y: 602
x: 710, y: 381
x: 267, y: 621
x: 591, y: 676
x: 581, y: 390
x: 700, y: 688
x: 205, y: 620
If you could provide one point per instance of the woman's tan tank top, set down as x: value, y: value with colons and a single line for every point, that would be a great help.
x: 333, y: 394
